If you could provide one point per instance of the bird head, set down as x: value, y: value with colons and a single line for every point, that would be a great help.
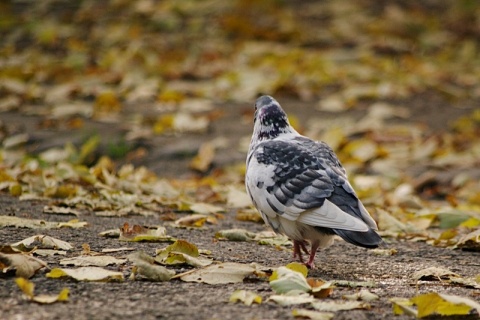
x: 270, y: 120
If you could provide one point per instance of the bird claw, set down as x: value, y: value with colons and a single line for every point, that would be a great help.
x: 298, y: 247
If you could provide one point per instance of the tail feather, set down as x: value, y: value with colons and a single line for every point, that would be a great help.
x: 369, y: 239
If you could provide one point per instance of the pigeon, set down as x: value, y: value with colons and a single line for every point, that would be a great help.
x: 300, y: 187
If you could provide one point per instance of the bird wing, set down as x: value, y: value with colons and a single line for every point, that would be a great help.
x: 302, y: 180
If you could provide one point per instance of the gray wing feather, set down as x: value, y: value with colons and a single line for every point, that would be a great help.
x: 306, y: 174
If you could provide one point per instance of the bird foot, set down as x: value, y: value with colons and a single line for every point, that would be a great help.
x: 310, y: 264
x: 298, y: 247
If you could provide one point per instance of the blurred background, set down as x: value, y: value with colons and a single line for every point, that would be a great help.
x: 392, y: 86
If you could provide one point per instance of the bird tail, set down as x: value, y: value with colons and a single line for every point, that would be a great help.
x: 369, y: 239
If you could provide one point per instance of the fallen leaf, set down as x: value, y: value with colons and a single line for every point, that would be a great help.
x: 384, y: 252
x: 294, y: 266
x: 146, y: 267
x: 112, y: 233
x: 363, y: 295
x: 354, y: 284
x: 247, y: 297
x: 49, y: 252
x: 334, y: 306
x: 10, y: 221
x: 138, y: 233
x: 206, y: 208
x: 223, y: 273
x: 444, y: 305
x: 28, y: 287
x: 195, y: 220
x: 237, y: 198
x: 248, y: 215
x: 185, y: 122
x: 235, y: 235
x: 86, y: 274
x: 60, y: 210
x: 272, y: 239
x: 182, y: 252
x: 289, y: 280
x: 24, y: 265
x: 204, y: 158
x: 74, y: 224
x: 320, y: 289
x: 434, y: 273
x: 110, y: 250
x: 313, y: 315
x: 470, y: 241
x: 97, y: 261
x: 44, y: 242
x: 292, y: 298
x: 403, y: 306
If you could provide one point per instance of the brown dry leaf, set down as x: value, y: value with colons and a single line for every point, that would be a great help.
x: 44, y: 242
x: 204, y: 158
x: 223, y: 273
x: 320, y: 288
x: 470, y: 241
x: 10, y: 221
x: 97, y: 261
x: 182, y: 252
x: 195, y: 220
x: 23, y: 265
x: 248, y: 215
x: 138, y: 233
x: 434, y: 273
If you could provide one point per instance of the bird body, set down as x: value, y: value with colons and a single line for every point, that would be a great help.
x: 300, y: 188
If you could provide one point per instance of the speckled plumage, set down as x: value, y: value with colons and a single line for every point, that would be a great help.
x: 300, y: 188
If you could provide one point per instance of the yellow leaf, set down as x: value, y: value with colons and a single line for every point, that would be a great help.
x: 295, y: 266
x: 247, y: 297
x: 26, y: 286
x: 448, y: 234
x: 15, y: 190
x: 164, y: 123
x: 403, y: 306
x: 434, y: 303
x: 183, y: 247
x: 470, y: 223
x: 63, y: 295
x: 107, y: 102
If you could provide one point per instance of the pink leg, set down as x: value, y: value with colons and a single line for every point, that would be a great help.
x: 298, y: 247
x: 311, y: 260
